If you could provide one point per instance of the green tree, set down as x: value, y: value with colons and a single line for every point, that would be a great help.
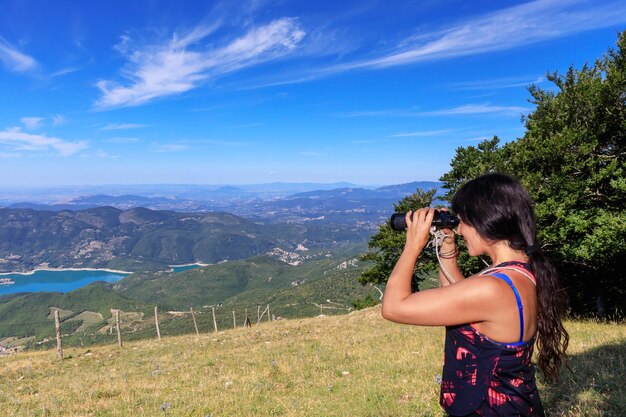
x: 571, y: 159
x: 385, y: 247
x: 472, y: 161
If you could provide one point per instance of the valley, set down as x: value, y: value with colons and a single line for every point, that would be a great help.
x: 298, y: 254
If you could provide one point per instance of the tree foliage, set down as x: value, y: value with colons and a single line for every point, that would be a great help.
x: 571, y: 159
x: 385, y: 247
x: 472, y: 161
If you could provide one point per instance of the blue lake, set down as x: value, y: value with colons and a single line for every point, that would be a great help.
x: 181, y: 268
x: 56, y: 281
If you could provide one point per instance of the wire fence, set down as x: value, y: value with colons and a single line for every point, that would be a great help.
x: 131, y: 325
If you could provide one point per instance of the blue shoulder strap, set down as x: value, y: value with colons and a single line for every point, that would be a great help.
x: 520, y: 307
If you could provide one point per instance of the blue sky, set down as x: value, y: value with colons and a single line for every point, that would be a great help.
x: 243, y: 92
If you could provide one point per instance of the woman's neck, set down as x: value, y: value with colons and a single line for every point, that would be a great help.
x: 501, y: 252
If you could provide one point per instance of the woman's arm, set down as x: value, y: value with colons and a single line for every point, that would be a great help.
x: 467, y: 301
x: 398, y: 285
x: 473, y: 300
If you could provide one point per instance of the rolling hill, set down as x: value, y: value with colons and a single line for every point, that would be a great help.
x: 347, y: 365
x: 140, y: 239
x: 292, y: 288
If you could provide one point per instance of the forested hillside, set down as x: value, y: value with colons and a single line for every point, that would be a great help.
x: 140, y: 239
x: 326, y: 280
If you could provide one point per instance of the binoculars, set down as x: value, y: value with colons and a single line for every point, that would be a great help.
x: 441, y: 220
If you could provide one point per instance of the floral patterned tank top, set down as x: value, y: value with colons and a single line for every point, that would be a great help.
x: 482, y: 377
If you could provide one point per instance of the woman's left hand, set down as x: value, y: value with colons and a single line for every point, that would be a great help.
x: 418, y: 225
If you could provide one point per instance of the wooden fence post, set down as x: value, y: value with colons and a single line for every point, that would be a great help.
x: 214, y: 321
x: 234, y: 320
x: 258, y: 313
x: 156, y: 320
x: 267, y: 310
x: 57, y: 329
x: 195, y: 324
x: 117, y: 326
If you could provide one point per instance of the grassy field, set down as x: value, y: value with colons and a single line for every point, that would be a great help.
x: 350, y: 365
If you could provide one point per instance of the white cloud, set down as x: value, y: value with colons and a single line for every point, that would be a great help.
x: 497, y: 84
x: 121, y: 139
x: 58, y: 120
x: 7, y: 155
x: 311, y: 153
x: 505, y: 29
x: 100, y: 154
x: 181, y: 64
x: 15, y: 60
x: 509, y: 28
x: 225, y: 142
x: 170, y: 147
x: 122, y: 126
x: 424, y: 133
x: 378, y: 113
x: 65, y: 71
x: 32, y: 123
x: 19, y: 141
x: 470, y: 109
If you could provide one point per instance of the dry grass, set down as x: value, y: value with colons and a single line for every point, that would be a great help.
x: 355, y: 365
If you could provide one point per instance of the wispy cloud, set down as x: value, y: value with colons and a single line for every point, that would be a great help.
x: 505, y: 29
x: 183, y: 63
x: 170, y: 147
x: 15, y: 60
x: 509, y: 28
x: 17, y: 140
x: 225, y: 142
x: 311, y: 153
x: 496, y: 84
x: 477, y: 109
x: 122, y: 126
x: 8, y: 155
x: 468, y: 109
x: 65, y: 71
x: 121, y: 139
x: 100, y: 154
x: 378, y: 113
x: 423, y: 133
x: 58, y: 120
x: 31, y: 123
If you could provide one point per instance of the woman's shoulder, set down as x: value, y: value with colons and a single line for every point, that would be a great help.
x: 488, y: 291
x: 483, y: 287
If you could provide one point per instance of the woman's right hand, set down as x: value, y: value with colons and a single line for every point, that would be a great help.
x: 418, y: 225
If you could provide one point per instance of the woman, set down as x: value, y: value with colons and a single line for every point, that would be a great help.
x: 493, y: 318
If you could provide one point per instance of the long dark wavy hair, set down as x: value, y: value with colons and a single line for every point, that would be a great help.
x: 500, y: 209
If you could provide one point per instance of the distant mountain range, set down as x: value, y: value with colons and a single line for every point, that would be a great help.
x: 63, y: 194
x: 269, y: 202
